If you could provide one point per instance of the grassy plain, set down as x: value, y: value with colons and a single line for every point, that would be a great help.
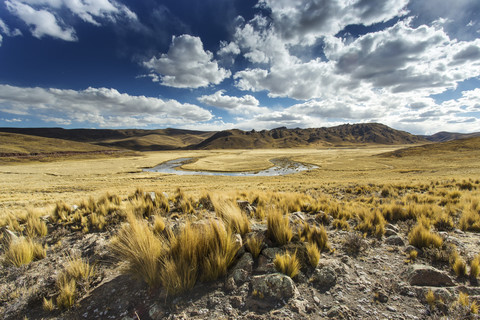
x: 41, y: 184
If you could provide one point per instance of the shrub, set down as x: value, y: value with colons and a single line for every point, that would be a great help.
x: 254, y: 245
x: 23, y: 251
x: 136, y: 243
x: 421, y: 237
x: 313, y: 254
x: 354, y: 243
x: 287, y: 264
x: 278, y: 227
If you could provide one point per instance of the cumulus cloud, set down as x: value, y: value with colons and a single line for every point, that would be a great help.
x: 6, y: 31
x: 101, y: 106
x: 306, y: 20
x: 44, y: 16
x: 237, y: 105
x: 187, y: 64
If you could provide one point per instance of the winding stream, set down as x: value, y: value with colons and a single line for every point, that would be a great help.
x: 281, y: 167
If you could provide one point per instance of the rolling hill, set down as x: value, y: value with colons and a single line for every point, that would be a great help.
x: 19, y: 144
x: 443, y: 136
x: 448, y: 147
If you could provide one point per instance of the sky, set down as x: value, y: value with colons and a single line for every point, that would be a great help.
x: 213, y: 65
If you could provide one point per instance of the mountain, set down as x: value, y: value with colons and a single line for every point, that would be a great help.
x: 343, y: 135
x: 170, y: 139
x: 443, y: 136
x: 133, y: 139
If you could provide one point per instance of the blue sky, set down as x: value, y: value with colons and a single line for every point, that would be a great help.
x: 249, y: 64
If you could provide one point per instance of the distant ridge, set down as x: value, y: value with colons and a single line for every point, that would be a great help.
x: 347, y: 134
x: 171, y: 139
x: 443, y: 136
x: 459, y: 146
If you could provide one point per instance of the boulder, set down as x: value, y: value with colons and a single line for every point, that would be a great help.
x: 245, y: 206
x: 394, y: 241
x: 324, y: 277
x: 276, y: 285
x: 422, y: 275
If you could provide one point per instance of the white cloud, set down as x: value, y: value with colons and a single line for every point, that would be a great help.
x: 236, y: 105
x: 101, y: 106
x: 41, y: 21
x: 306, y: 20
x: 44, y: 16
x: 6, y: 30
x: 187, y: 65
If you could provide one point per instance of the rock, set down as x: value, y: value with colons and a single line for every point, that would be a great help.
x: 390, y: 232
x: 421, y: 275
x: 391, y: 309
x: 394, y: 241
x: 238, y: 240
x: 275, y: 285
x: 270, y: 253
x: 409, y: 249
x: 245, y: 206
x: 7, y: 235
x: 245, y: 262
x: 339, y: 312
x: 391, y: 227
x: 324, y: 277
x: 380, y: 296
x: 241, y: 272
x: 265, y: 265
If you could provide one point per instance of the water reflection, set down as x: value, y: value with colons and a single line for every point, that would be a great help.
x: 281, y: 167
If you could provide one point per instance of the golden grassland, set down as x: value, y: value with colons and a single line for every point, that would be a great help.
x: 42, y: 184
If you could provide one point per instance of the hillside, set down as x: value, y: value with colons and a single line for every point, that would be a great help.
x: 454, y: 146
x: 342, y: 135
x: 133, y: 139
x: 443, y: 136
x: 20, y: 144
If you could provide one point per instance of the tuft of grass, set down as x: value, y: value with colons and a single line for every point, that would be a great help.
x: 158, y: 224
x: 354, y: 243
x: 430, y: 297
x: 232, y: 216
x: 67, y: 292
x: 48, y: 305
x: 412, y: 255
x: 371, y: 222
x: 443, y: 222
x: 341, y: 224
x: 35, y: 227
x: 23, y: 251
x: 313, y: 254
x: 470, y: 220
x: 315, y: 235
x: 287, y: 264
x: 61, y: 212
x: 475, y: 267
x: 459, y: 267
x: 254, y: 245
x: 278, y: 227
x: 79, y: 269
x: 137, y: 244
x: 421, y: 237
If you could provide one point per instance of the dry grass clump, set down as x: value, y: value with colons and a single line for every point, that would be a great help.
x: 475, y: 267
x: 459, y: 267
x: 61, y: 212
x: 204, y: 252
x: 136, y: 244
x: 313, y: 254
x: 443, y: 221
x: 354, y: 243
x: 315, y: 235
x: 158, y: 224
x: 67, y: 292
x: 182, y: 203
x: 341, y: 224
x: 35, y: 226
x: 371, y: 222
x: 254, y: 245
x: 48, y: 305
x: 23, y: 251
x: 470, y: 220
x: 278, y: 227
x: 394, y: 212
x: 232, y: 216
x: 287, y: 264
x: 463, y: 308
x: 421, y: 237
x: 430, y: 298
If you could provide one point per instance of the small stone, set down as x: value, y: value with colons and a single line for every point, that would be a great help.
x: 394, y: 241
x: 276, y: 285
x: 324, y: 278
x: 391, y: 309
x: 422, y: 275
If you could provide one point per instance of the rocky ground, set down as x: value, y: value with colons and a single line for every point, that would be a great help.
x: 359, y: 278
